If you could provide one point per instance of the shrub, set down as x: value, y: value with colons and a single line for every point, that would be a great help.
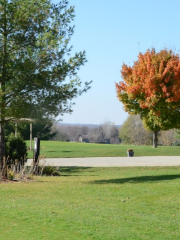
x: 10, y: 175
x: 15, y: 147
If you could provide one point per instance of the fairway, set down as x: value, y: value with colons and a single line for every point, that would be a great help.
x: 94, y: 204
x: 55, y: 149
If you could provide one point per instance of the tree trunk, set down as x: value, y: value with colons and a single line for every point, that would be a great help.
x: 3, y: 160
x: 155, y: 139
x: 1, y: 155
x: 3, y: 167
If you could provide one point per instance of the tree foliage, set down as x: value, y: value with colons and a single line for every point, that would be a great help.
x: 151, y: 88
x: 133, y: 132
x: 35, y: 67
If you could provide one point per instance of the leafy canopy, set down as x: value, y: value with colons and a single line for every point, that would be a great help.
x: 38, y: 77
x: 151, y: 88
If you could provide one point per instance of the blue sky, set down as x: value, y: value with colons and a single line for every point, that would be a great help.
x: 113, y: 32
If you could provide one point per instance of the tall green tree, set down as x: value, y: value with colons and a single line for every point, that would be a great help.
x: 38, y: 77
x: 150, y: 88
x: 133, y: 132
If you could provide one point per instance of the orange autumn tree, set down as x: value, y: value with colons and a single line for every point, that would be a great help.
x: 151, y: 88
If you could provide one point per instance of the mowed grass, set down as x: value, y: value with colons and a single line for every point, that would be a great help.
x: 94, y: 204
x: 55, y: 149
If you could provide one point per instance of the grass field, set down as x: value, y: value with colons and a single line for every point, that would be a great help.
x: 94, y: 204
x: 55, y: 149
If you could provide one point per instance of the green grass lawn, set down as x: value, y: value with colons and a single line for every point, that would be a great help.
x: 55, y: 149
x: 94, y: 204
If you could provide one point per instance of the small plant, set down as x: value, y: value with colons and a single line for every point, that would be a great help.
x: 10, y: 175
x: 130, y: 150
x: 50, y: 171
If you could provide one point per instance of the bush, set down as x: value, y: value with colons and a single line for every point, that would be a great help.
x: 10, y: 175
x: 50, y: 171
x: 15, y: 147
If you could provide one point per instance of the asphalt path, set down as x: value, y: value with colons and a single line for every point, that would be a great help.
x: 111, y: 161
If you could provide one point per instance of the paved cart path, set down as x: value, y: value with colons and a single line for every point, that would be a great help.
x: 111, y: 161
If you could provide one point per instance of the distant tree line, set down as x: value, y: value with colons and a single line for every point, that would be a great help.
x: 95, y: 135
x: 133, y: 132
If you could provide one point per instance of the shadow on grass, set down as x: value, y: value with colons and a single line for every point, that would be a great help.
x: 57, y: 151
x: 142, y: 179
x: 70, y: 171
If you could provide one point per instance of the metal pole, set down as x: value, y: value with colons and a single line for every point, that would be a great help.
x: 30, y: 136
